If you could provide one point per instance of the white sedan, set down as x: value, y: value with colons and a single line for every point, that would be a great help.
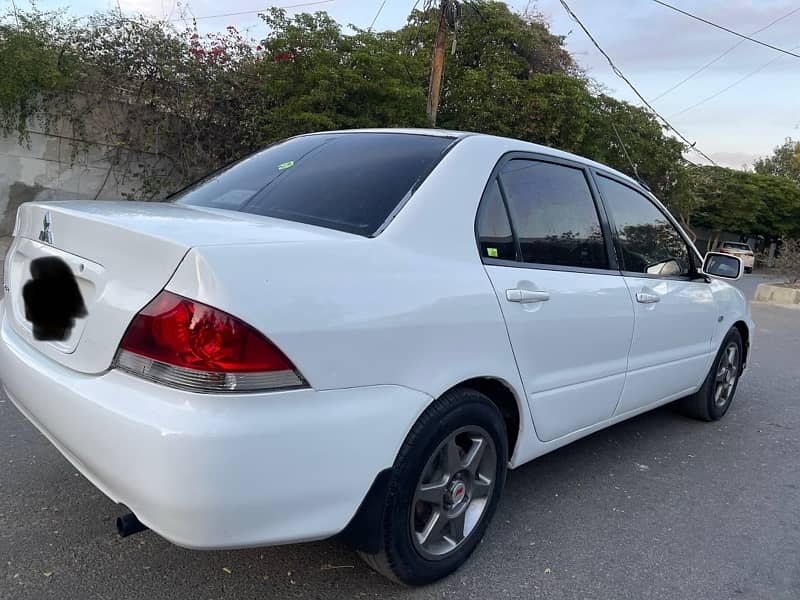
x: 357, y: 334
x: 743, y: 251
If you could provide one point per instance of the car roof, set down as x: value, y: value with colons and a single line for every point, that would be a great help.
x: 518, y: 146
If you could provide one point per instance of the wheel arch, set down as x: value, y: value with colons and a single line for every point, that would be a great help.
x: 363, y: 532
x: 744, y: 331
x: 505, y: 399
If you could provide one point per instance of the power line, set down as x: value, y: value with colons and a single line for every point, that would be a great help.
x: 736, y: 33
x: 721, y: 56
x: 252, y: 12
x: 734, y: 84
x: 624, y: 149
x: 621, y: 75
x: 380, y: 10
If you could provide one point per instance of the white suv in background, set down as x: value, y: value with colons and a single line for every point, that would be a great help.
x: 743, y: 251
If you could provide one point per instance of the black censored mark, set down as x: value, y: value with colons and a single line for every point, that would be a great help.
x: 52, y: 299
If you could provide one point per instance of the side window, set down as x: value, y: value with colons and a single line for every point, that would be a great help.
x: 650, y: 243
x: 494, y: 231
x: 554, y: 214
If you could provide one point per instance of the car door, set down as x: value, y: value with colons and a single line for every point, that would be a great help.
x: 567, y: 309
x: 675, y: 311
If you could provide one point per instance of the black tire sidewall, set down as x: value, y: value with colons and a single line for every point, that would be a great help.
x: 714, y: 411
x: 408, y: 565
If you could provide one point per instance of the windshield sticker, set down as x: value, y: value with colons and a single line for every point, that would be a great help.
x: 492, y: 252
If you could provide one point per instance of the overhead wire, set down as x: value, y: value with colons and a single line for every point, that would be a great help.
x: 732, y: 85
x: 723, y: 28
x: 380, y: 10
x: 721, y: 56
x: 621, y: 75
x: 260, y: 10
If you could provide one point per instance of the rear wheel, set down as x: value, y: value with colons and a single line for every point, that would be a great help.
x: 748, y: 269
x: 714, y: 398
x: 445, y: 486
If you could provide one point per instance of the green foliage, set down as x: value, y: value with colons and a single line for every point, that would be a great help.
x: 744, y: 203
x: 193, y: 103
x: 658, y: 158
x: 784, y: 162
x: 36, y: 53
x: 316, y: 78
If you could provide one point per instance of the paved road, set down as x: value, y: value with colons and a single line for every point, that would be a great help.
x: 658, y: 507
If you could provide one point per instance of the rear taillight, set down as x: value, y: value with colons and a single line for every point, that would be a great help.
x: 186, y: 344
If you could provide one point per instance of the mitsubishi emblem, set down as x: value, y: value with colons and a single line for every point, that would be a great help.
x: 45, y: 235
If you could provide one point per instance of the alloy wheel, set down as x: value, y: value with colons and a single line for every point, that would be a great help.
x: 453, y: 492
x: 727, y: 372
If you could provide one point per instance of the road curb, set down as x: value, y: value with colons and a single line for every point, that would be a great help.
x: 777, y: 294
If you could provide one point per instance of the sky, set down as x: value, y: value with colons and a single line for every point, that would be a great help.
x: 653, y: 46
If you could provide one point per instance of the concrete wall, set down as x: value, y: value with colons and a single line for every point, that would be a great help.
x: 54, y: 167
x: 57, y: 166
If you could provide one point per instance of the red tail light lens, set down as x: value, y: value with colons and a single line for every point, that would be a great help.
x: 187, y: 344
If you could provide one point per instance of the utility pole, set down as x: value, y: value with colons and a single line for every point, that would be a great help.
x: 437, y: 65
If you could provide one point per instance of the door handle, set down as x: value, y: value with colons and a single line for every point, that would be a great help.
x: 647, y: 297
x: 526, y: 296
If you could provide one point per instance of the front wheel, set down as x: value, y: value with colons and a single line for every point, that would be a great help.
x: 445, y: 486
x: 713, y: 399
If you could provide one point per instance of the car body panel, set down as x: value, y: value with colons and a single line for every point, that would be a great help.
x: 671, y: 342
x: 209, y: 471
x: 573, y: 375
x: 123, y: 254
x: 379, y: 327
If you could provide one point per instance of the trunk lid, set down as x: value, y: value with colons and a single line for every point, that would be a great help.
x: 122, y: 254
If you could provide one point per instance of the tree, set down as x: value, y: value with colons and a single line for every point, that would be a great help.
x: 197, y: 102
x: 787, y: 262
x: 316, y: 78
x: 784, y: 162
x: 618, y: 131
x: 744, y: 203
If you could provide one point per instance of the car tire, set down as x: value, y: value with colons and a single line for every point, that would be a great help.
x: 714, y: 398
x: 448, y: 476
x: 748, y: 269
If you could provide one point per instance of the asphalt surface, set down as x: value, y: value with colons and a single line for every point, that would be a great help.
x: 657, y: 507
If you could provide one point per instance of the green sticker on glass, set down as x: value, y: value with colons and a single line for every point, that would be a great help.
x: 287, y: 165
x: 492, y: 252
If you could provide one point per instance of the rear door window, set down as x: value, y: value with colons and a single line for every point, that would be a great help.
x: 553, y: 214
x: 347, y: 181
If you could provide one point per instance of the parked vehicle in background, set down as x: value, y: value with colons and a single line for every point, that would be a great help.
x: 742, y: 250
x: 358, y: 333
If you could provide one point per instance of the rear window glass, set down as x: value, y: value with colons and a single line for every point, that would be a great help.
x: 346, y: 181
x: 736, y: 246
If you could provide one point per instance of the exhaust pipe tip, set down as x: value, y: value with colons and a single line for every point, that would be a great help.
x: 129, y: 524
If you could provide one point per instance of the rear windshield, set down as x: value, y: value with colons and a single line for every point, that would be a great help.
x: 346, y: 181
x: 736, y: 246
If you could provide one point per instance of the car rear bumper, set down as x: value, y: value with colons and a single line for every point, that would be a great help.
x: 214, y: 471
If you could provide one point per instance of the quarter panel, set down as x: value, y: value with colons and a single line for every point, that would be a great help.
x: 361, y: 312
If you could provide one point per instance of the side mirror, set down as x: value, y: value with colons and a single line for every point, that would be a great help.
x: 724, y: 266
